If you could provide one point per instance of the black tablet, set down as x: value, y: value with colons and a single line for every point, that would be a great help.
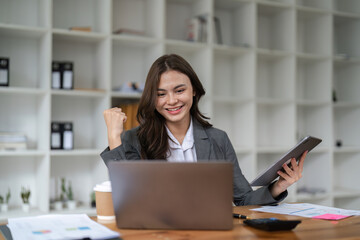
x: 270, y: 174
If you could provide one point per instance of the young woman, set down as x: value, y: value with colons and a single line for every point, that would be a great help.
x: 173, y: 129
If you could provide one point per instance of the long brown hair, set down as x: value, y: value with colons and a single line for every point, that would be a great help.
x: 152, y: 133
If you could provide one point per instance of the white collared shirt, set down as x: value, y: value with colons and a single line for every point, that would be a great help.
x: 184, y: 152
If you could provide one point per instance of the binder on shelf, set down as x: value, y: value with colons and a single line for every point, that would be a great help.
x: 56, y: 136
x: 56, y: 75
x: 62, y: 136
x: 68, y: 136
x: 62, y: 75
x: 4, y: 71
x: 67, y: 75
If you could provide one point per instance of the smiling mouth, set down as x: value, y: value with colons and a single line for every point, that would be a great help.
x: 173, y: 109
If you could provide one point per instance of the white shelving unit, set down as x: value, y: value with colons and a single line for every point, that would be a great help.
x: 270, y: 83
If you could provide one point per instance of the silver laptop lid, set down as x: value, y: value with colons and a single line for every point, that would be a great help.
x: 172, y: 195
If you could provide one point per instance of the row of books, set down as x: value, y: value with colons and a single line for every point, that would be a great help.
x: 13, y: 141
x: 197, y: 29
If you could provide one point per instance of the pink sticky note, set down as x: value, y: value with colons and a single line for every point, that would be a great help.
x: 329, y: 216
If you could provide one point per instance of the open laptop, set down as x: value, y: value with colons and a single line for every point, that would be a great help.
x: 172, y: 195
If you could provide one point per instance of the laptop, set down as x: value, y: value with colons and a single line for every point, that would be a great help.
x: 172, y: 195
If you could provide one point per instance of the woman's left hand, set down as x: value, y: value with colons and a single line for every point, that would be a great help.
x: 289, y: 176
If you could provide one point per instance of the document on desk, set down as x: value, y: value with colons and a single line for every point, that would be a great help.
x: 309, y: 210
x: 62, y: 226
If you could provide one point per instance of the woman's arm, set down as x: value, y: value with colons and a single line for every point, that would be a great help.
x: 114, y: 119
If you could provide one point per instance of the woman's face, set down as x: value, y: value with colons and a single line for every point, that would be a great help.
x: 174, y: 97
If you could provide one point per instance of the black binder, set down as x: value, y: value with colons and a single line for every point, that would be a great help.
x: 67, y: 136
x: 68, y: 75
x: 56, y: 79
x: 4, y: 71
x: 56, y: 136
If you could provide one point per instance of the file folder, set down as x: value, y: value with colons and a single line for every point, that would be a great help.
x: 56, y: 75
x: 56, y: 136
x: 68, y: 136
x: 67, y: 75
x: 4, y: 71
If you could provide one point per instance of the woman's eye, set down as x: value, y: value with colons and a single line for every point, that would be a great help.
x: 161, y: 94
x: 180, y: 91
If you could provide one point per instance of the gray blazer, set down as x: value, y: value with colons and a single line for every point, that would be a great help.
x: 210, y: 144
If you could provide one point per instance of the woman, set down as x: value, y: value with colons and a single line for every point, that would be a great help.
x: 172, y: 128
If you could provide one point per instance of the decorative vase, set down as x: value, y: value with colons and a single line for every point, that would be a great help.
x: 58, y: 205
x: 26, y: 207
x: 71, y: 204
x: 4, y: 207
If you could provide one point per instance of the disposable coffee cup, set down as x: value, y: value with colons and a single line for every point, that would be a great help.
x: 104, y: 203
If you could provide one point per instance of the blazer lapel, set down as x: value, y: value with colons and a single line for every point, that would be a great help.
x: 202, y: 143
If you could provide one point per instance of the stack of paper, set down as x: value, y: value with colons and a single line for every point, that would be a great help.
x: 71, y: 226
x: 309, y: 210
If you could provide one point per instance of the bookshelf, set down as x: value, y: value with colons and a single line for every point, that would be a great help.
x: 270, y: 83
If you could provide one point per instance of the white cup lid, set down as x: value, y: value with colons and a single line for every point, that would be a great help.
x: 103, y: 187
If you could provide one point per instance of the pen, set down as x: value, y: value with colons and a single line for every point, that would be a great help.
x: 235, y: 215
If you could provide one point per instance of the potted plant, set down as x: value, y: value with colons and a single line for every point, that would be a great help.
x: 25, y: 195
x: 71, y: 203
x: 58, y: 204
x: 4, y: 202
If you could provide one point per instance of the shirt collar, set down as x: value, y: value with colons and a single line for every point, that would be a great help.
x: 188, y: 141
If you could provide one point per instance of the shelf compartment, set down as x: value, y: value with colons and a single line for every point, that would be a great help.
x: 94, y: 14
x: 275, y: 28
x: 318, y: 4
x: 317, y: 174
x: 347, y: 6
x: 315, y: 121
x: 178, y: 12
x: 346, y: 36
x: 233, y: 75
x: 85, y: 114
x: 84, y: 174
x: 351, y: 203
x: 275, y: 125
x: 345, y: 122
x: 273, y: 77
x: 33, y: 13
x: 28, y: 56
x: 237, y: 23
x: 142, y: 17
x: 89, y: 59
x: 237, y: 120
x: 346, y: 82
x: 131, y: 63
x: 200, y: 59
x: 29, y: 118
x: 345, y: 172
x: 31, y: 172
x: 313, y: 33
x: 312, y: 80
